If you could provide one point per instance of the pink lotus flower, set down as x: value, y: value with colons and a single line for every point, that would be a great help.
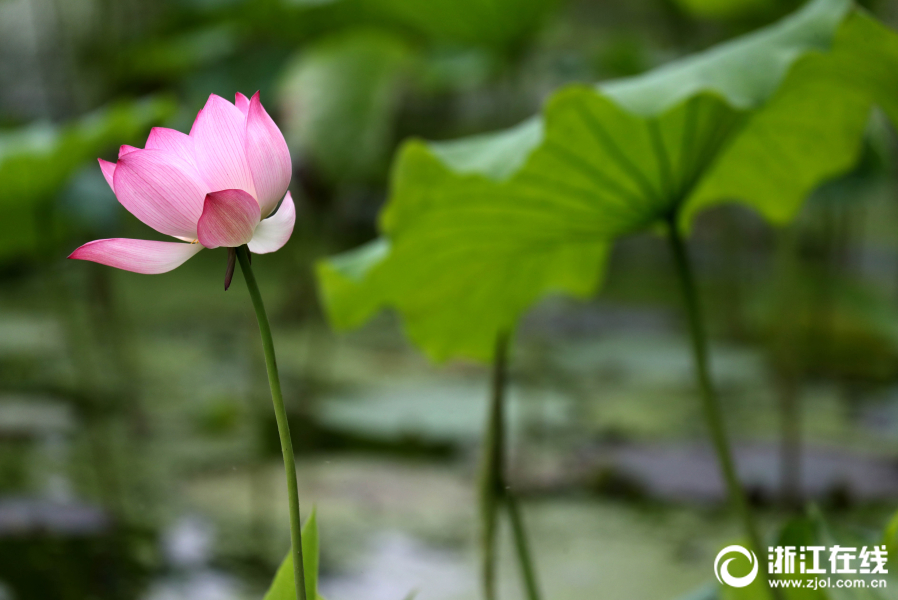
x: 216, y: 187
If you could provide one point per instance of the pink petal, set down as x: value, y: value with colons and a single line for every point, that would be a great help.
x: 161, y: 190
x: 139, y: 256
x: 220, y: 140
x: 173, y: 142
x: 123, y: 150
x: 273, y: 232
x: 229, y: 219
x: 268, y: 156
x: 241, y: 102
x: 108, y: 169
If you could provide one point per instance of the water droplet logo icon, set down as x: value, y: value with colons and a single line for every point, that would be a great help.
x: 722, y: 570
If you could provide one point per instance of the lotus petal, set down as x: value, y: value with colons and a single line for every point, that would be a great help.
x: 173, y: 142
x: 219, y: 135
x: 268, y: 156
x: 108, y: 169
x: 161, y: 190
x: 139, y: 256
x: 229, y: 219
x: 241, y: 102
x: 272, y: 233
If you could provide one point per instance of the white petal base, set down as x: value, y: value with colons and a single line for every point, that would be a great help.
x: 272, y: 233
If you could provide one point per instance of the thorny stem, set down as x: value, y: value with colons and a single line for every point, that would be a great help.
x: 281, y: 416
x: 710, y: 402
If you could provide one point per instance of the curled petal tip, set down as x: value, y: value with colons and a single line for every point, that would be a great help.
x: 241, y: 102
x: 125, y: 149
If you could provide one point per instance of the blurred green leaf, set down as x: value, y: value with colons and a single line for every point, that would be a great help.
x: 500, y: 24
x: 493, y: 223
x: 284, y: 587
x: 890, y: 536
x: 178, y: 55
x: 338, y: 101
x: 37, y: 160
x: 861, y: 322
x: 726, y: 9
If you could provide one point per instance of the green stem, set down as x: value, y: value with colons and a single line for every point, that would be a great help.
x: 710, y: 402
x: 281, y: 416
x: 525, y: 560
x: 494, y: 489
x: 491, y: 481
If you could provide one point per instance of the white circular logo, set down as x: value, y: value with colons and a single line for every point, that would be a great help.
x: 722, y: 570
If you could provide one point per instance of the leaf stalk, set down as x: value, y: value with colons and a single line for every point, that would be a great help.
x: 710, y: 400
x: 494, y: 491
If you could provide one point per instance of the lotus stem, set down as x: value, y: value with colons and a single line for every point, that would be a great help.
x: 491, y: 476
x: 494, y: 489
x: 525, y: 559
x: 710, y: 401
x: 281, y: 416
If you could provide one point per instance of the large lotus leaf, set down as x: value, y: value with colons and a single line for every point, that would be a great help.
x: 746, y: 71
x: 812, y: 129
x: 496, y: 155
x: 37, y: 160
x: 458, y: 271
x: 339, y: 100
x: 705, y: 151
x: 469, y: 253
x: 612, y: 160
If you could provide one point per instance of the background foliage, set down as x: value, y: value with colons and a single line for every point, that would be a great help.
x: 138, y: 457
